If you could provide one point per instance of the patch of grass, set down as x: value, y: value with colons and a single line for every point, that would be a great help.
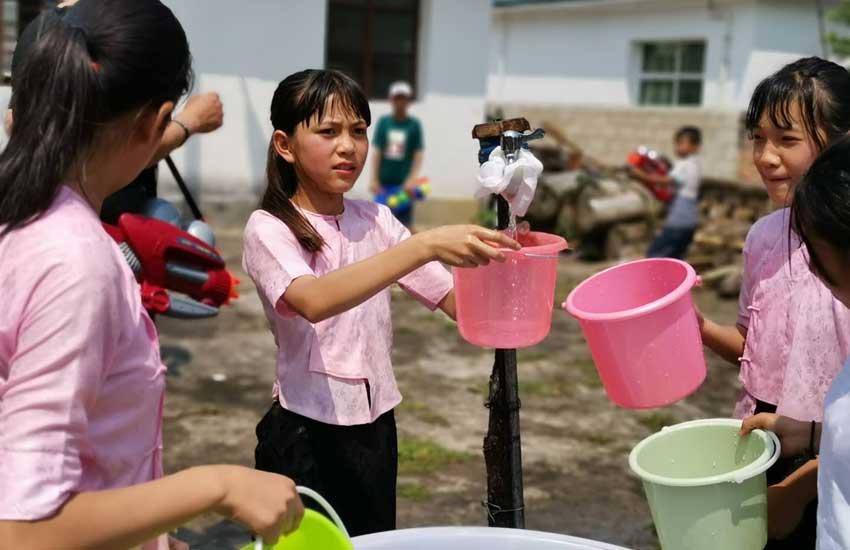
x: 555, y: 387
x: 404, y: 330
x: 531, y: 355
x: 417, y: 456
x: 423, y: 412
x: 597, y: 438
x: 589, y: 374
x: 413, y: 491
x: 535, y: 388
x: 657, y: 420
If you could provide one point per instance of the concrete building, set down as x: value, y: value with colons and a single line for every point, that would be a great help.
x: 621, y: 73
x: 243, y: 49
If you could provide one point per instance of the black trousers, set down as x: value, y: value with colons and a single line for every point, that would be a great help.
x: 353, y: 467
x: 805, y: 535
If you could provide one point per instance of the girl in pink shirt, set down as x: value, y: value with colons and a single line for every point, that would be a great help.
x: 792, y: 335
x: 323, y: 265
x: 81, y: 381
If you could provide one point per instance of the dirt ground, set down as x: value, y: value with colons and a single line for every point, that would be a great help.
x: 575, y: 442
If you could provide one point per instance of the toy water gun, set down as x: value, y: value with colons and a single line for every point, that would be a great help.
x: 167, y: 259
x: 652, y: 162
x: 400, y: 200
x: 170, y: 257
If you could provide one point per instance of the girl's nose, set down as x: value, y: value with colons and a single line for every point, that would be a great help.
x: 345, y: 143
x: 768, y: 156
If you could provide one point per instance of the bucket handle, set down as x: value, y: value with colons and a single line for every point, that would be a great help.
x: 743, y: 475
x: 306, y: 491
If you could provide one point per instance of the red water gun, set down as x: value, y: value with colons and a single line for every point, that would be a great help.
x: 652, y: 162
x: 168, y: 259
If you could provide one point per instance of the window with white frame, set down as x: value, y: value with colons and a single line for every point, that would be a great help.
x: 671, y: 73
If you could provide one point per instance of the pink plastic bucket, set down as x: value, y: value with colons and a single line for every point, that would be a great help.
x: 639, y: 321
x: 509, y: 305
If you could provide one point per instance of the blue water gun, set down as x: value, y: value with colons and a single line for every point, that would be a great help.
x: 400, y: 200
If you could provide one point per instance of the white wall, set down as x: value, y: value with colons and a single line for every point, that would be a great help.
x: 783, y: 31
x: 242, y: 51
x: 587, y: 55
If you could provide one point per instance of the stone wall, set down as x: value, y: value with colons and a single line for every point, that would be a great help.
x: 609, y: 134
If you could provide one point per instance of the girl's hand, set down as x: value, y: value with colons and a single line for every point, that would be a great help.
x: 793, y: 434
x: 266, y: 503
x: 466, y: 245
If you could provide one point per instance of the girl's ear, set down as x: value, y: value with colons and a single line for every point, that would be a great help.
x: 151, y: 123
x: 283, y: 146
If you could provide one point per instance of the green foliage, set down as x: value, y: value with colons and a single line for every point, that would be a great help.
x: 840, y: 45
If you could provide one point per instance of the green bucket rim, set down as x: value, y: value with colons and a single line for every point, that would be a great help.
x: 765, y: 460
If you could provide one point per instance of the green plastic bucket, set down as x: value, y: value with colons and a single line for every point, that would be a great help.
x: 706, y: 485
x: 315, y: 531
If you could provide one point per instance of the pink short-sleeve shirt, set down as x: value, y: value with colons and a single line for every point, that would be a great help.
x: 323, y: 368
x: 81, y: 382
x: 798, y: 334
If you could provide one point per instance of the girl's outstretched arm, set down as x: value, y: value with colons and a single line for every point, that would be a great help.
x: 124, y: 518
x: 726, y: 341
x: 448, y: 305
x: 318, y: 298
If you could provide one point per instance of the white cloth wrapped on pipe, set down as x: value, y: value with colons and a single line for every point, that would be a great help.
x: 515, y: 182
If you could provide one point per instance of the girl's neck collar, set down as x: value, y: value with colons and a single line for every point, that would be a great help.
x: 325, y: 206
x: 309, y: 210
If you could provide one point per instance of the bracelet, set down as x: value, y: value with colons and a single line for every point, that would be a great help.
x: 812, y: 454
x: 185, y: 129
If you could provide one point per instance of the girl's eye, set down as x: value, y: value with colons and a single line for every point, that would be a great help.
x: 360, y: 131
x: 756, y: 137
x: 327, y: 131
x: 790, y: 139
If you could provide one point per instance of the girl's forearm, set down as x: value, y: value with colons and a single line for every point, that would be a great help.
x: 725, y: 341
x: 804, y: 482
x: 449, y: 306
x: 121, y: 518
x: 317, y: 299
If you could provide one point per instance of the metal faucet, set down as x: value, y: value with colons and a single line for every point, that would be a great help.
x: 512, y: 142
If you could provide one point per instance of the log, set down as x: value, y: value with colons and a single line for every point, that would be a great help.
x: 595, y: 210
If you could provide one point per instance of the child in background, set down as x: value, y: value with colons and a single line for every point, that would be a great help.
x: 792, y: 335
x: 684, y: 178
x: 399, y: 148
x: 81, y: 381
x: 821, y: 218
x: 323, y: 265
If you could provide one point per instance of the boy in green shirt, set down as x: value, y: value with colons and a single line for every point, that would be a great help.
x: 398, y: 148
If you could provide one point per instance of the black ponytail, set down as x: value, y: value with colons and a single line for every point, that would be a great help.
x: 89, y: 64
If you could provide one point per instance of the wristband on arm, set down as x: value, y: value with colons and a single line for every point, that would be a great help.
x: 185, y: 130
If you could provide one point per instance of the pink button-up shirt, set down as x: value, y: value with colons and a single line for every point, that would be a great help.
x: 322, y: 368
x: 798, y: 335
x: 81, y: 382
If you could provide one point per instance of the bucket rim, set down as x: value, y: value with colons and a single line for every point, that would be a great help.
x: 555, y: 245
x: 462, y: 533
x: 684, y: 287
x: 765, y: 460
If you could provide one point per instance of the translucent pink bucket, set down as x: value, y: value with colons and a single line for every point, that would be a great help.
x: 639, y: 321
x: 509, y: 305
